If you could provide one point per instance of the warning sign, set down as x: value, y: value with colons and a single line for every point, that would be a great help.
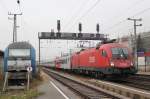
x: 29, y: 69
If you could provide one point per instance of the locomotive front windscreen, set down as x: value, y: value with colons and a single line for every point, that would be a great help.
x: 119, y: 52
x: 19, y: 52
x: 19, y: 62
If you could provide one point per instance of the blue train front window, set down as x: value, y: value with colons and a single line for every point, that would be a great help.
x: 19, y: 52
x: 19, y: 59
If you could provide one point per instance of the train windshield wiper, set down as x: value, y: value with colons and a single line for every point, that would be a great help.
x: 124, y: 54
x: 119, y: 53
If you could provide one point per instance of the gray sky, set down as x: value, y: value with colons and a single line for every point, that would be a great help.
x: 42, y: 15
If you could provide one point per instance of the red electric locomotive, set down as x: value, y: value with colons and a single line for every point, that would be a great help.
x: 111, y: 58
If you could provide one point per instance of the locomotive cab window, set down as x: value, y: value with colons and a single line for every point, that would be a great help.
x: 104, y: 53
x: 120, y: 52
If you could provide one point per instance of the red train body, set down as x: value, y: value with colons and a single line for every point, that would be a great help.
x: 110, y: 58
x: 57, y: 63
x: 106, y: 59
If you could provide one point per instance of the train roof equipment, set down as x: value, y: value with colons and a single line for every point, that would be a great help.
x: 20, y: 45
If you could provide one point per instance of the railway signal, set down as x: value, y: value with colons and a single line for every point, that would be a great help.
x: 18, y: 1
x: 80, y: 27
x: 97, y: 28
x: 58, y: 25
x: 70, y: 36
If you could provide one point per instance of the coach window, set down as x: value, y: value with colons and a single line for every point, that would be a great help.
x: 104, y: 53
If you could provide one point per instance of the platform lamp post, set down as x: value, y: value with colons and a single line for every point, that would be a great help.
x: 135, y: 39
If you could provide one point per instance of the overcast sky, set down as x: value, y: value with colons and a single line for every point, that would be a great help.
x: 42, y: 15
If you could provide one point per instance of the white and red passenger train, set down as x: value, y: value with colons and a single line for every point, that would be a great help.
x: 106, y: 59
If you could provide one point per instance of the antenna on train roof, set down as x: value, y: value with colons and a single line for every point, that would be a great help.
x: 109, y: 41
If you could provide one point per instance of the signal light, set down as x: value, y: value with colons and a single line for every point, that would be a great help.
x: 112, y: 64
x: 58, y: 25
x: 80, y: 27
x: 97, y: 28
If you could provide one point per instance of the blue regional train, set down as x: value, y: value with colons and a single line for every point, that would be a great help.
x: 18, y: 56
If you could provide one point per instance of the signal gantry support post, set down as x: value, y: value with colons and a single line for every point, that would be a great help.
x: 135, y: 40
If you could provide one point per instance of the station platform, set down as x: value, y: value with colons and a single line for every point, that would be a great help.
x: 143, y: 73
x: 52, y: 89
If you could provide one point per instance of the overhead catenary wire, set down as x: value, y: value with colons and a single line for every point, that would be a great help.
x: 4, y: 6
x: 84, y: 14
x: 127, y: 9
x: 24, y: 22
x: 117, y: 24
x: 85, y: 2
x: 19, y: 5
x: 141, y: 12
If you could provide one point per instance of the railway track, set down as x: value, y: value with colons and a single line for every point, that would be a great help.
x: 121, y: 89
x: 137, y: 81
x: 141, y: 76
x: 83, y: 90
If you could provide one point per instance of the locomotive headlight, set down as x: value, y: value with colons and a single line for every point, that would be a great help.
x: 112, y: 64
x: 131, y: 64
